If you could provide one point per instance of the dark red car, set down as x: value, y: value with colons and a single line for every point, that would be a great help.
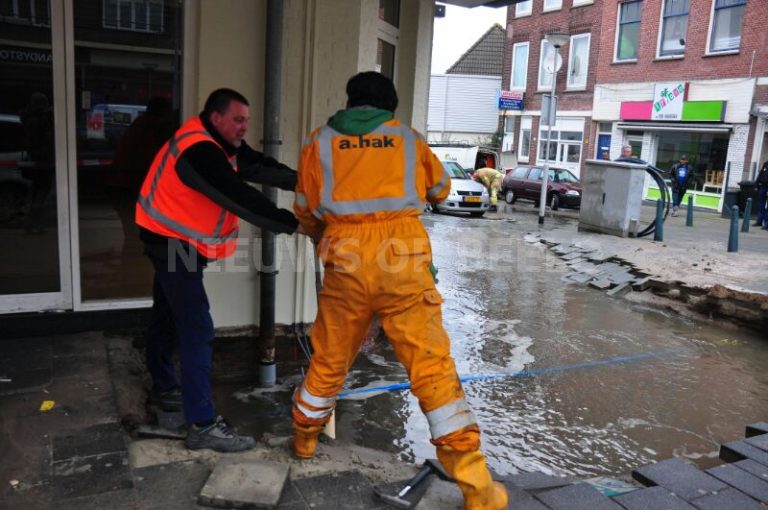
x: 563, y: 188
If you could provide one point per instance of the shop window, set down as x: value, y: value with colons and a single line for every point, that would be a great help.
x: 552, y: 5
x: 519, y: 66
x: 628, y: 31
x: 674, y: 27
x: 706, y: 155
x: 26, y: 12
x: 727, y: 17
x: 134, y: 15
x: 578, y: 61
x: 523, y: 8
x: 525, y: 139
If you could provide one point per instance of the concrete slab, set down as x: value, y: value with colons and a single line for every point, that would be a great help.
x: 85, y: 476
x: 579, y: 496
x: 601, y: 284
x: 740, y: 450
x: 348, y: 490
x: 755, y: 429
x: 535, y: 481
x: 619, y: 290
x: 755, y: 468
x: 244, y: 484
x: 652, y: 498
x: 441, y: 495
x: 741, y: 480
x: 94, y: 440
x: 680, y: 477
x: 171, y: 486
x: 729, y: 499
x: 760, y: 441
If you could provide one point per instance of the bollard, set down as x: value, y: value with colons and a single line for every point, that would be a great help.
x: 689, y: 212
x: 658, y: 233
x: 747, y: 214
x: 733, y: 234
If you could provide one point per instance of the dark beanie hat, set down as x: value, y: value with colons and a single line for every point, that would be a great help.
x: 372, y: 89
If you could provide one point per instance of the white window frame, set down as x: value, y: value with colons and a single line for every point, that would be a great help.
x: 661, y: 32
x: 134, y: 5
x: 33, y: 19
x: 515, y: 48
x: 578, y: 3
x: 389, y: 34
x: 710, y: 32
x: 618, y: 35
x: 571, y: 56
x: 558, y: 4
x: 526, y: 124
x: 524, y: 8
x: 561, y: 145
x: 542, y: 72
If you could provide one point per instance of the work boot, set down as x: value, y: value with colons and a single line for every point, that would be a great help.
x: 218, y: 436
x: 168, y: 400
x: 305, y: 438
x: 473, y: 478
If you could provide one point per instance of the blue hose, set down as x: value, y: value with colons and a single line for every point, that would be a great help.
x: 523, y: 373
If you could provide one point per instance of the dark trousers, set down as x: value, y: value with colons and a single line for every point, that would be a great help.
x: 762, y: 216
x: 181, y: 317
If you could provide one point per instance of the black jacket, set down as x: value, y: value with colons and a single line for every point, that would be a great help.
x: 204, y: 168
x: 688, y: 178
x: 762, y: 177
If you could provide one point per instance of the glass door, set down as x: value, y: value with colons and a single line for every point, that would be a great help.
x: 34, y: 221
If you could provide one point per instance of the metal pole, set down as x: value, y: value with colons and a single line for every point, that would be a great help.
x: 689, y: 212
x: 658, y: 231
x: 733, y: 233
x: 545, y: 177
x: 747, y: 215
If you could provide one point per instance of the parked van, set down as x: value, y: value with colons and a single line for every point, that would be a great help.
x: 472, y: 157
x: 107, y: 121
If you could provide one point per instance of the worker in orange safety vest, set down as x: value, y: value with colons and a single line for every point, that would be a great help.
x: 363, y: 180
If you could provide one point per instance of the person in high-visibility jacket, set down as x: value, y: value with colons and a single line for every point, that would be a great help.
x: 491, y: 179
x: 187, y: 211
x: 363, y: 180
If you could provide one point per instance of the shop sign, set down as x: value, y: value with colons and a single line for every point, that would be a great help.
x: 24, y: 55
x: 668, y: 98
x: 510, y: 100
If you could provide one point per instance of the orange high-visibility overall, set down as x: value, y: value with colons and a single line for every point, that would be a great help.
x: 363, y: 195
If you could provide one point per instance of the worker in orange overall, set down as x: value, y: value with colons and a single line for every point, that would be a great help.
x: 363, y: 181
x: 491, y: 179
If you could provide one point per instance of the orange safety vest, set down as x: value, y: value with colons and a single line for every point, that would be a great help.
x: 168, y: 207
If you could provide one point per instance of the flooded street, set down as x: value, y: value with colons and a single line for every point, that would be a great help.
x: 563, y: 379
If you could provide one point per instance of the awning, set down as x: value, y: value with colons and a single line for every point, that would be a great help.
x: 666, y: 126
x: 760, y: 110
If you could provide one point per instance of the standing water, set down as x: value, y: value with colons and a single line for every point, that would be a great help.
x: 562, y: 378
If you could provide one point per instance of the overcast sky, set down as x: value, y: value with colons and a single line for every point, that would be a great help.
x: 459, y: 30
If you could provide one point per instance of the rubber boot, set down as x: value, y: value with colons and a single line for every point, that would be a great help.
x: 305, y: 439
x: 474, y: 479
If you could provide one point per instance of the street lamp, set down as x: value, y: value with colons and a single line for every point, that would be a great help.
x: 556, y: 41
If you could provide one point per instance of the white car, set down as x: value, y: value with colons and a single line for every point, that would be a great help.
x: 466, y: 196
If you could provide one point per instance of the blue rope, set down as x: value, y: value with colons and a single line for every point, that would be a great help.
x: 523, y: 373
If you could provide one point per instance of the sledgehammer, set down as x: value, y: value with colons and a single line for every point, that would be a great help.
x: 430, y: 466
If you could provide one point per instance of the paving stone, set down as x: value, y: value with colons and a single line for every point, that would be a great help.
x: 572, y: 255
x: 521, y: 500
x: 244, y: 484
x: 84, y: 476
x: 742, y: 480
x: 740, y: 450
x: 579, y: 277
x: 641, y: 285
x: 600, y: 284
x: 441, y: 495
x: 619, y: 290
x: 579, y: 496
x: 755, y: 429
x: 290, y: 496
x: 575, y: 261
x: 679, y: 477
x: 124, y: 499
x: 760, y: 441
x: 186, y: 478
x: 729, y: 499
x: 170, y: 420
x: 621, y: 278
x: 652, y: 498
x: 535, y: 481
x: 750, y: 466
x: 94, y: 440
x: 349, y: 490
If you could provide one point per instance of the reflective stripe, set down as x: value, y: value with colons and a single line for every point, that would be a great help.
x: 450, y: 418
x: 174, y: 225
x: 173, y: 150
x: 309, y: 413
x: 301, y: 200
x: 434, y: 190
x: 319, y: 402
x: 309, y: 140
x: 339, y: 207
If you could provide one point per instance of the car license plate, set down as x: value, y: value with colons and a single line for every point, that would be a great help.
x: 471, y: 199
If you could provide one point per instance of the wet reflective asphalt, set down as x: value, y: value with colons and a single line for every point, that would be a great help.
x: 563, y: 379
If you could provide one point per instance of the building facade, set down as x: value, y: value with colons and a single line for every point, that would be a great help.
x: 528, y: 59
x: 75, y: 74
x: 685, y: 77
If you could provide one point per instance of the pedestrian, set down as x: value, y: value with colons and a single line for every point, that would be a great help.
x: 626, y: 151
x: 762, y: 197
x: 491, y: 179
x: 681, y: 179
x: 363, y: 180
x: 187, y: 211
x: 605, y: 153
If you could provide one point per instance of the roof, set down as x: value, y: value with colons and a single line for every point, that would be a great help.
x: 484, y: 57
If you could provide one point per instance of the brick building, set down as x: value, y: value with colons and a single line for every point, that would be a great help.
x: 524, y: 70
x: 668, y: 77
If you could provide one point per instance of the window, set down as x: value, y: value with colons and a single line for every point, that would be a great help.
x: 523, y: 8
x: 552, y: 5
x: 674, y: 27
x: 519, y: 66
x: 134, y: 15
x: 525, y: 139
x: 727, y: 16
x: 582, y: 2
x: 578, y: 61
x: 628, y: 31
x: 565, y: 142
x: 388, y: 32
x: 535, y: 174
x: 26, y: 12
x: 545, y: 75
x: 520, y: 172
